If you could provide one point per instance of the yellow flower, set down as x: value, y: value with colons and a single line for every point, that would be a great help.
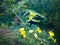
x: 30, y: 18
x: 23, y: 33
x: 32, y: 13
x: 51, y: 33
x: 21, y: 29
x: 35, y: 35
x: 30, y: 31
x: 39, y: 30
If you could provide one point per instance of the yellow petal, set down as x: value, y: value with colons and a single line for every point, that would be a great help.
x: 51, y: 33
x: 54, y: 40
x: 39, y: 30
x: 21, y: 29
x: 23, y: 33
x: 33, y: 14
x: 30, y: 18
x: 24, y: 36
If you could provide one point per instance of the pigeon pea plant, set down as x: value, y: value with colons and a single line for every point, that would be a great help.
x: 27, y: 29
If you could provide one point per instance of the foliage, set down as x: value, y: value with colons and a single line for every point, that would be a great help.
x: 30, y: 23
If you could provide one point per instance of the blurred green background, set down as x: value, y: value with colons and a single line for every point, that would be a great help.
x: 48, y: 8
